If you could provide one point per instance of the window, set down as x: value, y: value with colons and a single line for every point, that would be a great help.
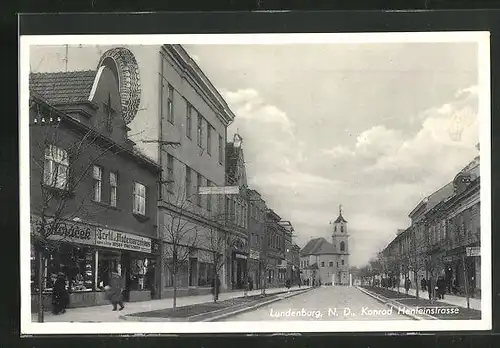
x: 113, y: 184
x: 335, y: 228
x: 322, y: 264
x: 97, y: 183
x: 342, y: 262
x: 221, y: 149
x: 55, y: 171
x: 330, y: 264
x: 198, y: 185
x: 188, y: 183
x: 139, y: 199
x: 337, y: 264
x: 342, y: 228
x: 342, y: 246
x: 170, y: 173
x: 189, y: 119
x: 209, y: 139
x: 170, y: 104
x: 199, y: 130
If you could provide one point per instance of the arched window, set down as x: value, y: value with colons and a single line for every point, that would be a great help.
x: 342, y: 246
x: 342, y: 228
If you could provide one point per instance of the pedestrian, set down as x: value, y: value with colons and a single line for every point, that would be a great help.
x: 250, y: 283
x: 216, y: 287
x: 441, y: 284
x: 114, y: 290
x: 288, y: 284
x: 407, y: 284
x: 60, y: 296
x: 423, y: 284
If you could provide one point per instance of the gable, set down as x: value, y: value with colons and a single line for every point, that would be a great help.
x: 105, y: 94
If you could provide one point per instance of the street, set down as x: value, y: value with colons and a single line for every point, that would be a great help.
x: 324, y: 303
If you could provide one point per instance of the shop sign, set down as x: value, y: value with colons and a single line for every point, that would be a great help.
x: 66, y: 231
x: 122, y: 240
x: 254, y: 254
x: 473, y: 251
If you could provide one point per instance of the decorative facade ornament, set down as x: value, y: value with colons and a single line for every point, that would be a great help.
x: 123, y: 63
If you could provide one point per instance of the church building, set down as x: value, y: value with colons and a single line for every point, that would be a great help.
x: 324, y: 262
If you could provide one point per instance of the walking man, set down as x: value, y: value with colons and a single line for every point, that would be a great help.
x: 115, y: 289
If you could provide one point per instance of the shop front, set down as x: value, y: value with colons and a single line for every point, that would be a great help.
x: 462, y: 272
x: 238, y: 269
x: 253, y: 268
x: 87, y: 255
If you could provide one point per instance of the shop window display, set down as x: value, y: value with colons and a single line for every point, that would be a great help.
x: 205, y: 274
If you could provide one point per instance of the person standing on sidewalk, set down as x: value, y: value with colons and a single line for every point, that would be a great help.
x: 216, y: 287
x: 60, y: 296
x: 115, y: 289
x: 407, y: 284
x: 423, y: 284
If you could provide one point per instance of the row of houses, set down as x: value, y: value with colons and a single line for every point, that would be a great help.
x: 166, y: 219
x: 443, y: 239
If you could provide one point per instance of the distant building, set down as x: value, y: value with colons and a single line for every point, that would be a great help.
x: 257, y: 211
x: 327, y: 262
x: 274, y: 250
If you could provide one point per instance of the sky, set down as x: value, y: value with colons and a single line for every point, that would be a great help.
x: 374, y: 127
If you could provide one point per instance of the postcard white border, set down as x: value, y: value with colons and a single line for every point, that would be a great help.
x: 482, y: 38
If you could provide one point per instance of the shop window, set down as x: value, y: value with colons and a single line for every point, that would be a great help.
x: 55, y: 171
x: 182, y: 275
x: 139, y: 199
x: 205, y: 274
x: 140, y: 274
x: 97, y: 183
x: 75, y: 262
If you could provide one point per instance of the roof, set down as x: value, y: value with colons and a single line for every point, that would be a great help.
x: 63, y: 87
x: 340, y: 219
x: 318, y: 246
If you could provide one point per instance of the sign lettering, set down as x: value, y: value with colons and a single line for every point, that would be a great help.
x: 473, y: 251
x: 121, y: 240
x: 72, y: 232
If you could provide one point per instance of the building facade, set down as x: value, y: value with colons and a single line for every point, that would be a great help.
x: 237, y: 213
x: 274, y: 251
x: 443, y: 226
x: 93, y: 194
x: 256, y: 236
x: 193, y: 121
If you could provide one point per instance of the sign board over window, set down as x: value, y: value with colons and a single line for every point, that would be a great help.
x: 65, y: 231
x: 121, y: 240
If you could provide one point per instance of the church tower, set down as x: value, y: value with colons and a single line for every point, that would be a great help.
x: 340, y: 241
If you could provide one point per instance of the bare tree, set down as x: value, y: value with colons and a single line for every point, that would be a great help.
x: 179, y: 235
x: 63, y: 153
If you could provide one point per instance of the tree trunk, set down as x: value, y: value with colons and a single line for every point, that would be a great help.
x: 416, y: 282
x: 41, y: 271
x: 175, y: 290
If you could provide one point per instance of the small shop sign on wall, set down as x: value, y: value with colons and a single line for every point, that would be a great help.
x: 66, y: 231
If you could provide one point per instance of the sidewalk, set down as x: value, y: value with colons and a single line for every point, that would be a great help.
x: 458, y: 301
x: 105, y: 314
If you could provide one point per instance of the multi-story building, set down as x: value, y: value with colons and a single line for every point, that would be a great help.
x: 286, y: 267
x: 443, y: 226
x: 92, y: 194
x: 237, y: 213
x: 274, y: 249
x: 256, y: 236
x: 295, y: 251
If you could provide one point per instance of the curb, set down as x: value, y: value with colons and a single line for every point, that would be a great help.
x: 251, y: 308
x: 131, y: 317
x: 395, y: 304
